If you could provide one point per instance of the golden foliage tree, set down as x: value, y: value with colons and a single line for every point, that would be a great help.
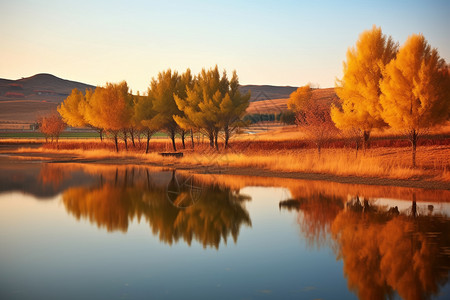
x: 212, y: 104
x: 416, y: 90
x: 299, y: 99
x: 232, y: 108
x: 144, y: 118
x: 201, y: 105
x: 161, y: 92
x: 110, y: 108
x: 359, y: 88
x: 71, y: 109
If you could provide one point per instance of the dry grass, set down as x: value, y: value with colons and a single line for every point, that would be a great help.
x: 432, y: 161
x: 389, y: 157
x: 331, y: 161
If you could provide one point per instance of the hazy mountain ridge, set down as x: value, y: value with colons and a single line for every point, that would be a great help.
x: 39, y: 87
x: 52, y: 88
x: 25, y: 99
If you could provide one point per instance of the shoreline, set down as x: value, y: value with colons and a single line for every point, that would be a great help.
x: 216, y: 169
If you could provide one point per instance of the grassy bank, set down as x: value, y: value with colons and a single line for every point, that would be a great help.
x: 433, y: 162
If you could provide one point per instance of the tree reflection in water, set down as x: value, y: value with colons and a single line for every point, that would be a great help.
x: 383, y: 251
x: 217, y: 211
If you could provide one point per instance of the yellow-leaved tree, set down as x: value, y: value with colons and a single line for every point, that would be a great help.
x: 144, y: 118
x: 359, y: 88
x: 70, y: 110
x: 415, y: 90
x: 110, y: 108
x: 73, y: 110
x: 299, y: 99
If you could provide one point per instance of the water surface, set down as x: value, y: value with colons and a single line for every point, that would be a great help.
x: 73, y: 231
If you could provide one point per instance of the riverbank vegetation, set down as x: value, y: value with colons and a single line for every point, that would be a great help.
x: 404, y: 90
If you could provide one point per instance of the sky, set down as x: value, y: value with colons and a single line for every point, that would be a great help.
x: 266, y: 42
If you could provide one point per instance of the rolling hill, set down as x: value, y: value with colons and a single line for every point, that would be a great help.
x: 267, y: 92
x: 275, y: 106
x: 22, y: 101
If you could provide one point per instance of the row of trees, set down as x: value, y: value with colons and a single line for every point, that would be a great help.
x: 406, y: 88
x: 208, y: 103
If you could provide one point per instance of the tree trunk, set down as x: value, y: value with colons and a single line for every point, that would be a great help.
x: 115, y: 142
x: 192, y: 138
x: 172, y: 136
x: 227, y: 136
x: 100, y: 132
x: 139, y: 138
x: 413, y: 138
x: 357, y: 148
x: 148, y: 141
x: 183, y: 133
x: 125, y: 139
x: 211, y: 138
x: 216, y: 137
x: 132, y: 137
x: 366, y: 136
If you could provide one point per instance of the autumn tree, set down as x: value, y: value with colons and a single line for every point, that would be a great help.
x: 213, y: 104
x: 313, y: 118
x: 201, y: 106
x: 232, y: 108
x: 73, y: 110
x: 186, y: 82
x: 415, y: 90
x: 316, y: 123
x: 144, y: 118
x: 299, y: 99
x: 51, y: 126
x: 70, y: 109
x: 110, y: 108
x: 161, y: 93
x: 359, y: 88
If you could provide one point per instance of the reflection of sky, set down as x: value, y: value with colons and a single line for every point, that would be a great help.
x: 46, y: 253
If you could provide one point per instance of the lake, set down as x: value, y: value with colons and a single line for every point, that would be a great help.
x: 87, y: 231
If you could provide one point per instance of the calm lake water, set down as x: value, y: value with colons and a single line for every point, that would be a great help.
x: 79, y: 231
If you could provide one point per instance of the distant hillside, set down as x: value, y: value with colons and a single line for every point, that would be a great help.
x: 22, y: 101
x: 274, y: 106
x: 267, y: 92
x: 39, y: 87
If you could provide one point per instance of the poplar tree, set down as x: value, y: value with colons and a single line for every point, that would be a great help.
x: 73, y: 110
x: 110, y: 108
x: 201, y: 105
x: 232, y: 108
x: 359, y: 88
x: 415, y: 90
x: 144, y: 118
x: 213, y: 104
x: 70, y: 109
x: 161, y: 92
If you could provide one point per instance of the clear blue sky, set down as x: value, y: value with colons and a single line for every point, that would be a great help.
x: 267, y: 42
